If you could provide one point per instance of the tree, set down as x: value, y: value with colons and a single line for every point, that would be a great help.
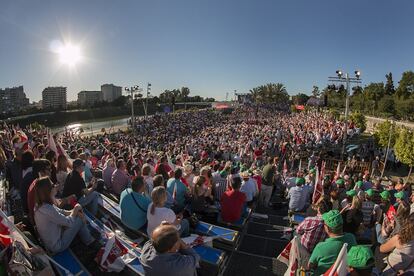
x: 120, y: 101
x: 389, y: 85
x: 185, y: 92
x: 300, y: 99
x: 315, y: 91
x: 404, y: 108
x: 385, y: 132
x: 373, y: 92
x: 404, y: 148
x: 359, y: 120
x: 386, y: 105
x: 406, y: 85
x: 270, y: 93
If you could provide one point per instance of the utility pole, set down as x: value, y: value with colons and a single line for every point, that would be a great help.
x: 132, y: 90
x: 146, y: 99
x: 388, y: 146
x: 347, y: 80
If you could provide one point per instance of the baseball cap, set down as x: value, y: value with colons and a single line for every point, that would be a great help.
x: 351, y: 193
x: 332, y: 219
x: 385, y: 195
x: 399, y: 195
x: 340, y: 182
x: 359, y: 183
x: 300, y: 181
x: 370, y: 192
x: 360, y: 257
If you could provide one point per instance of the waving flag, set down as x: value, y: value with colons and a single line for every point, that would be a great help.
x: 51, y: 142
x: 285, y: 168
x: 319, y: 179
x: 338, y: 171
x: 291, y: 256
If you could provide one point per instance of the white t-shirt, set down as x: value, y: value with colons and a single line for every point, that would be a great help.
x: 160, y: 215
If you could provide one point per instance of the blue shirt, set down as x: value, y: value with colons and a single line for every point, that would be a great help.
x: 181, y: 190
x: 132, y: 215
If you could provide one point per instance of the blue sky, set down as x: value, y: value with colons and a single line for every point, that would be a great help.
x: 213, y: 46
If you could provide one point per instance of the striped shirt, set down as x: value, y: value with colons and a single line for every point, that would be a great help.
x: 312, y: 232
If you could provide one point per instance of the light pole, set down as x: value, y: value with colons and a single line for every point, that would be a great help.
x: 132, y: 90
x: 347, y: 80
x: 146, y: 99
x: 388, y: 146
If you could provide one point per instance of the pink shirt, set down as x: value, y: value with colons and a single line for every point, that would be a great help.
x: 119, y: 181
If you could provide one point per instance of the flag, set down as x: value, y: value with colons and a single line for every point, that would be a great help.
x: 338, y: 171
x: 285, y: 168
x: 51, y: 142
x: 319, y: 180
x: 291, y: 256
x: 339, y: 268
x: 22, y: 142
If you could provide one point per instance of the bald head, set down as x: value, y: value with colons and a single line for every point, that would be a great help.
x: 164, y: 238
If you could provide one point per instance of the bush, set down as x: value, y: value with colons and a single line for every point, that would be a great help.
x: 359, y: 120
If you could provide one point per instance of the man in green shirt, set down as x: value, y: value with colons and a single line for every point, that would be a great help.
x: 326, y: 252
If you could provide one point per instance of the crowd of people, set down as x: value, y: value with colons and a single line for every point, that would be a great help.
x: 207, y: 164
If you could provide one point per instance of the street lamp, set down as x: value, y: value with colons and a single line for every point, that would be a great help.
x: 133, y: 89
x: 390, y: 133
x: 347, y: 80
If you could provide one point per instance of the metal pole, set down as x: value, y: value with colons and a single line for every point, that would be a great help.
x: 388, y: 148
x: 132, y: 111
x: 146, y: 102
x: 346, y: 113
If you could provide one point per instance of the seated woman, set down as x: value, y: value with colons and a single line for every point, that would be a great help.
x: 352, y: 215
x: 391, y: 227
x: 199, y: 203
x: 157, y: 214
x: 400, y: 249
x: 56, y: 227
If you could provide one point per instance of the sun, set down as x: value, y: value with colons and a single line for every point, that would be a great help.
x: 69, y: 54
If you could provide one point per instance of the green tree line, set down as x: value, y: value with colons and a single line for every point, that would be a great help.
x: 377, y: 98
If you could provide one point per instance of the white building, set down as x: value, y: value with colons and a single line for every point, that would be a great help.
x: 54, y: 98
x: 111, y: 92
x: 89, y: 98
x: 13, y: 100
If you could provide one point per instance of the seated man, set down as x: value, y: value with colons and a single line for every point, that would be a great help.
x: 360, y: 261
x: 167, y: 254
x: 120, y: 178
x: 178, y: 189
x: 326, y: 252
x: 75, y: 185
x: 134, y: 205
x: 233, y: 202
x: 312, y: 229
x: 298, y: 196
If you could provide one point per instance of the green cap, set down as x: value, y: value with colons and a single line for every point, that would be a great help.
x: 340, y: 182
x: 370, y: 192
x: 312, y: 171
x: 385, y: 195
x: 359, y: 183
x: 399, y: 195
x: 300, y: 181
x: 360, y: 257
x: 332, y: 219
x: 351, y: 193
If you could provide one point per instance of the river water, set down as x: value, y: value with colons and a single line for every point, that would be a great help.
x: 94, y: 127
